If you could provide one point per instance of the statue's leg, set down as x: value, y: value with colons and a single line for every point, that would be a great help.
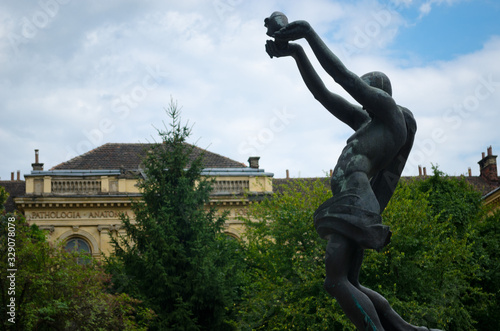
x: 391, y: 321
x: 389, y: 318
x: 356, y: 305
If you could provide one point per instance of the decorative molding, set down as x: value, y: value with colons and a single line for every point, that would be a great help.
x: 109, y: 227
x: 94, y: 246
x: 101, y: 228
x: 231, y: 186
x: 76, y: 186
x: 49, y: 228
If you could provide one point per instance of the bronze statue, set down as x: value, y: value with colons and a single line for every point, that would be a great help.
x: 365, y: 176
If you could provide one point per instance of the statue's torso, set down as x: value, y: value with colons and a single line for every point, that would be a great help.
x: 370, y: 149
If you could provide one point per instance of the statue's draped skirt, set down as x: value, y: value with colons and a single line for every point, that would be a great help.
x: 343, y: 214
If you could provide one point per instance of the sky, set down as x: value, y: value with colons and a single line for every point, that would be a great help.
x: 75, y: 75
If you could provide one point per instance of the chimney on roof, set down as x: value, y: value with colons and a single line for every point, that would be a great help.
x: 37, y: 165
x: 19, y: 175
x: 425, y: 172
x: 488, y: 166
x: 253, y: 161
x: 470, y: 172
x: 420, y: 171
x: 287, y: 174
x: 12, y: 176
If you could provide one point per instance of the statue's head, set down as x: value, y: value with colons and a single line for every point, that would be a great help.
x: 379, y: 80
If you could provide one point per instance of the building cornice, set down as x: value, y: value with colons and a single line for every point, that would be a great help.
x: 209, y: 172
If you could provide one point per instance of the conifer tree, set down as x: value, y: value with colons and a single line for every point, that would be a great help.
x: 175, y: 256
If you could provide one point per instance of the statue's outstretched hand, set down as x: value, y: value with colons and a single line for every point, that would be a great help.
x: 279, y: 50
x: 293, y: 31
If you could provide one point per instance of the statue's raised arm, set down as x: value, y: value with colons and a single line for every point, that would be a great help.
x: 353, y: 115
x: 368, y: 90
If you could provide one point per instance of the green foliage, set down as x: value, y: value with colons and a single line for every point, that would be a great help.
x: 175, y: 256
x: 427, y: 271
x: 53, y: 291
x: 440, y: 269
x: 286, y: 267
x: 488, y: 255
x: 456, y: 204
x: 453, y: 199
x: 3, y: 198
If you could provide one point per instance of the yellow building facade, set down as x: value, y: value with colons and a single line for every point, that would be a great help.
x: 79, y: 202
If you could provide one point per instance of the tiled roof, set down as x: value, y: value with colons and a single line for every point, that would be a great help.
x: 479, y: 183
x: 15, y: 188
x: 130, y: 156
x: 280, y: 183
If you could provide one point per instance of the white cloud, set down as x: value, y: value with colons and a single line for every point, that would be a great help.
x: 104, y: 72
x: 425, y: 9
x: 427, y: 6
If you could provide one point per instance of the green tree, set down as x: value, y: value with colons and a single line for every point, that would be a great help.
x: 457, y: 204
x: 431, y: 272
x: 42, y: 287
x: 453, y: 199
x: 175, y: 256
x: 428, y: 272
x: 286, y: 265
x: 3, y: 198
x: 488, y: 255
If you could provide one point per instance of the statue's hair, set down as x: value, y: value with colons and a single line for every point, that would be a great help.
x: 379, y: 80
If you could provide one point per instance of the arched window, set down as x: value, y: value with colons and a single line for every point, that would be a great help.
x: 77, y: 245
x: 232, y: 236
